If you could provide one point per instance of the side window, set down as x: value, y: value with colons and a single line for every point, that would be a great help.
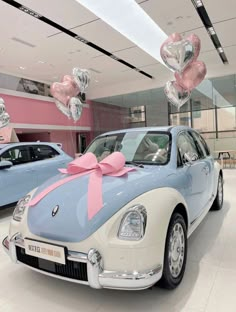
x: 42, y: 152
x: 203, y: 143
x: 17, y: 155
x: 186, y: 146
x: 200, y: 148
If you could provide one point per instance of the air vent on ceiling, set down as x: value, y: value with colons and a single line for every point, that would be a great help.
x: 95, y: 71
x: 23, y: 42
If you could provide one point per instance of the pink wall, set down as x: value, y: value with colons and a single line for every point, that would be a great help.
x: 33, y: 111
x: 98, y: 116
x: 68, y: 140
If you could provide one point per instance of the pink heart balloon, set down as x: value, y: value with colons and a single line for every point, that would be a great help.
x: 70, y: 79
x: 192, y: 76
x: 63, y: 91
x: 173, y: 38
x: 196, y: 42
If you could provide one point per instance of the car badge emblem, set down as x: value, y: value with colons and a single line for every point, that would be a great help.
x: 55, y: 210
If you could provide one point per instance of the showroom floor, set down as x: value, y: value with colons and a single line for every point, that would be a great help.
x: 209, y: 283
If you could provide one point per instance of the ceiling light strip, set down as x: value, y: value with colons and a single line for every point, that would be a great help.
x: 130, y: 20
x: 201, y: 10
x: 73, y: 35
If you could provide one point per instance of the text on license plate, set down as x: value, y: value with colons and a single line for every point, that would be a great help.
x: 45, y: 251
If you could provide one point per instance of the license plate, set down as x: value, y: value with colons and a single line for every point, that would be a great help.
x: 45, y: 251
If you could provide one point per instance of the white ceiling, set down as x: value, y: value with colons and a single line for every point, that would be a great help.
x: 60, y: 53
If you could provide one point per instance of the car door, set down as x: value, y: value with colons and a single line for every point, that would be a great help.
x: 209, y: 161
x: 195, y: 171
x: 18, y: 180
x: 47, y: 161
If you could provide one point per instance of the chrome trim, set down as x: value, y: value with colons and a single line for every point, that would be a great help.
x: 94, y: 268
x: 5, y: 246
x: 97, y: 276
x: 130, y: 280
x: 16, y: 238
x: 77, y: 256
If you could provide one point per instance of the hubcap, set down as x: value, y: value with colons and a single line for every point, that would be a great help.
x: 220, y: 190
x: 176, y: 250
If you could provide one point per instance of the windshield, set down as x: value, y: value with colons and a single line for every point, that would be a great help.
x: 137, y: 146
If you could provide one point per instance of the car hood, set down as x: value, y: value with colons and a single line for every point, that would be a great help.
x: 71, y: 223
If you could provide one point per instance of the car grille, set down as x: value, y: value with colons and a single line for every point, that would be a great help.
x: 73, y: 270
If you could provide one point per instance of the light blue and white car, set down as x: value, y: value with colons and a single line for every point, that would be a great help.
x: 139, y: 236
x: 24, y: 166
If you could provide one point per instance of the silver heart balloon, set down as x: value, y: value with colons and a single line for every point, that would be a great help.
x: 177, y: 55
x: 76, y: 108
x: 82, y: 78
x: 177, y: 95
x: 4, y: 120
x: 63, y: 108
x: 2, y: 109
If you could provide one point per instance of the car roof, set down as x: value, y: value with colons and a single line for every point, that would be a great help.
x: 26, y: 143
x: 161, y: 129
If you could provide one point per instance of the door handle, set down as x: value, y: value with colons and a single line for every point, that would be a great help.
x: 206, y: 170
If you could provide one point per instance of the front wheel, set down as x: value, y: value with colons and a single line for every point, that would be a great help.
x: 175, y: 253
x: 218, y: 202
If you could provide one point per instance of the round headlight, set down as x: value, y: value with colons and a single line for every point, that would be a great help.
x: 133, y: 223
x: 20, y: 208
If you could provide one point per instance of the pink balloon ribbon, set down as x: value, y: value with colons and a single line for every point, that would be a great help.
x: 113, y: 165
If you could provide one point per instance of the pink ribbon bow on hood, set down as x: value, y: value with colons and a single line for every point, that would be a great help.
x: 112, y: 165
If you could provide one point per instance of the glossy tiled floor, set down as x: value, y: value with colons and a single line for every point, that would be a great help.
x: 209, y: 283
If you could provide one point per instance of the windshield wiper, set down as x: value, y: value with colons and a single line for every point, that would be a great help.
x: 134, y: 163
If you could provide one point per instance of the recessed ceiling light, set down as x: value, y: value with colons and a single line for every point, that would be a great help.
x: 198, y: 3
x: 220, y: 50
x: 211, y: 31
x: 128, y: 18
x: 179, y: 17
x: 22, y: 67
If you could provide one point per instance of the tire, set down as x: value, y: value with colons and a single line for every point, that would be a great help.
x: 218, y: 202
x: 175, y: 253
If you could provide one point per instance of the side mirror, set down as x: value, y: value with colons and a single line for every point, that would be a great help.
x: 5, y: 164
x: 190, y: 158
x: 77, y: 155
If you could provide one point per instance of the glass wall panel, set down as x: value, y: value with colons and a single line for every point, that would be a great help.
x: 184, y: 108
x: 227, y: 134
x: 226, y: 118
x: 224, y: 91
x: 204, y: 120
x: 183, y: 119
x: 209, y: 135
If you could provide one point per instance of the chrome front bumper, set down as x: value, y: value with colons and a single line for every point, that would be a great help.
x: 97, y: 276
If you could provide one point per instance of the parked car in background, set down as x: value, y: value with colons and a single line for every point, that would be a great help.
x: 24, y: 166
x: 138, y: 235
